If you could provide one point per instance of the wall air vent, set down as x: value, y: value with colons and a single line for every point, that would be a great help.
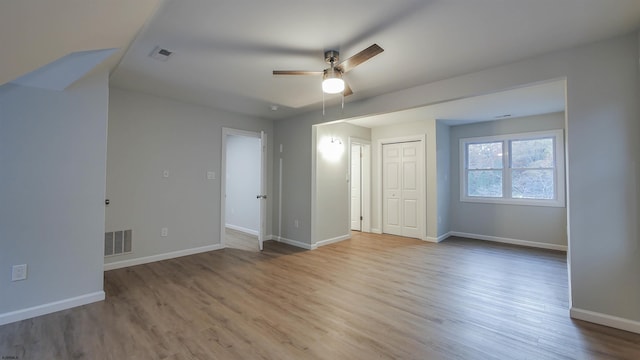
x: 118, y: 242
x: 161, y: 54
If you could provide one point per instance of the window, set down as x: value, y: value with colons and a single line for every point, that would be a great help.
x: 521, y: 169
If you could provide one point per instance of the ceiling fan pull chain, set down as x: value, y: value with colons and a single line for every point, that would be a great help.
x: 323, y: 103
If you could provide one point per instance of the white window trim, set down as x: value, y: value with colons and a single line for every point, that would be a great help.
x: 559, y: 173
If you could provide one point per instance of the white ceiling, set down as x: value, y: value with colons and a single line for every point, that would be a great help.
x: 544, y: 98
x: 224, y: 51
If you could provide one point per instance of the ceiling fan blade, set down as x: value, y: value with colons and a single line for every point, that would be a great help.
x: 297, y: 72
x: 347, y: 89
x: 359, y: 58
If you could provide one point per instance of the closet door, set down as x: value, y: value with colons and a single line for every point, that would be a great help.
x: 401, y: 167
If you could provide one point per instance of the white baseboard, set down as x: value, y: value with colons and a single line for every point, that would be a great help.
x: 606, y: 320
x: 332, y: 240
x: 51, y: 307
x: 439, y: 238
x: 160, y: 257
x: 444, y: 236
x: 376, y: 231
x: 295, y: 243
x: 510, y: 241
x: 242, y: 229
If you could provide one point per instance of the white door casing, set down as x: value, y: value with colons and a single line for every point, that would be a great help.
x: 356, y: 188
x: 262, y: 196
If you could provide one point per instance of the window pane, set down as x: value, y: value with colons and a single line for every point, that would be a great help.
x: 532, y: 184
x: 484, y: 156
x: 484, y: 183
x: 535, y: 153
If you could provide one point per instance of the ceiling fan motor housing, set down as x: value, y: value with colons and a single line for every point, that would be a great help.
x: 331, y: 56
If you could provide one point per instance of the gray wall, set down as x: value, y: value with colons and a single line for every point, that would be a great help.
x: 443, y: 165
x: 332, y: 188
x: 243, y: 183
x: 149, y: 134
x: 602, y: 108
x: 53, y: 147
x: 541, y: 224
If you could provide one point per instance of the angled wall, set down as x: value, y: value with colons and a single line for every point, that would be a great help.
x: 53, y: 147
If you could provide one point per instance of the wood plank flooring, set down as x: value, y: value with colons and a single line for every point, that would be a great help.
x: 371, y: 297
x: 240, y: 240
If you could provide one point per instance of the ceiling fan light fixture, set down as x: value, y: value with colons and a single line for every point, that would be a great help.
x: 332, y: 82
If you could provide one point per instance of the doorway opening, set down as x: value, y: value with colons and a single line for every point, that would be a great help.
x: 360, y: 184
x: 243, y: 178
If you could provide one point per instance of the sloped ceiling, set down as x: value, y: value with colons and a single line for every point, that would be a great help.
x: 224, y: 51
x: 34, y: 33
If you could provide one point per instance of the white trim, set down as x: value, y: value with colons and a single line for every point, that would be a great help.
x: 430, y: 239
x: 242, y: 229
x: 376, y: 231
x: 444, y: 236
x: 527, y: 243
x: 332, y: 240
x: 439, y: 238
x: 606, y: 320
x: 51, y: 307
x: 160, y: 257
x: 295, y: 243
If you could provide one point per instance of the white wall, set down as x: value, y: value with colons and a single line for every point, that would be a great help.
x: 538, y: 224
x: 602, y: 108
x: 243, y: 183
x: 52, y: 188
x: 147, y: 135
x: 443, y: 159
x: 333, y: 219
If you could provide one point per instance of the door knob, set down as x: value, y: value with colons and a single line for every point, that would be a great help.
x: 107, y: 202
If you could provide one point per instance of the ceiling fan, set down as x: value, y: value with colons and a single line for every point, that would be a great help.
x: 332, y: 82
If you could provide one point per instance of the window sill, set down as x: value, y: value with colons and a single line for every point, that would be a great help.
x: 521, y: 202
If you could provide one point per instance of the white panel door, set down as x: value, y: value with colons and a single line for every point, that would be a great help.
x: 410, y: 189
x: 391, y: 192
x: 356, y: 180
x: 401, y: 168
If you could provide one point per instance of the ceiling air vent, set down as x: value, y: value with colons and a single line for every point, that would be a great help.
x: 161, y: 54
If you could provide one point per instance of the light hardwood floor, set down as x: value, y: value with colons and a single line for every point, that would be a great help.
x: 240, y: 240
x: 371, y: 297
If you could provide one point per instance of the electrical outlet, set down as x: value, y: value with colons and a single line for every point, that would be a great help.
x: 164, y: 232
x: 19, y: 272
x: 211, y: 175
x: 165, y: 174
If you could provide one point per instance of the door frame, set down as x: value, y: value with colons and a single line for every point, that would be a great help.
x: 260, y: 135
x: 422, y: 138
x: 365, y: 185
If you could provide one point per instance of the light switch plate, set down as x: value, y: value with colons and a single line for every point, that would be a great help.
x: 19, y: 272
x: 211, y: 175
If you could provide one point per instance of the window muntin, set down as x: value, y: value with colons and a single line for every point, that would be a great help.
x: 525, y: 169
